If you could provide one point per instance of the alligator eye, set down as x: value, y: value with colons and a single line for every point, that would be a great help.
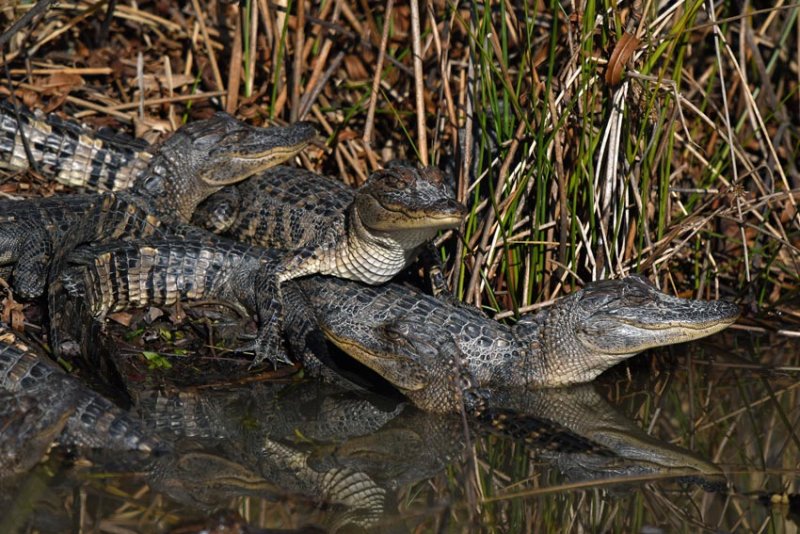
x: 396, y: 333
x: 391, y: 334
x: 206, y: 141
x: 237, y: 136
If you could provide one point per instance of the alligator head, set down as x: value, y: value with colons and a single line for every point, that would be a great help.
x: 203, y: 156
x: 407, y: 204
x: 591, y: 330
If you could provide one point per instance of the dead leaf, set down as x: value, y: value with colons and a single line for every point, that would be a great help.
x: 13, y: 313
x: 152, y: 314
x: 61, y: 83
x: 123, y: 318
x: 622, y: 53
x: 347, y: 135
x: 150, y: 128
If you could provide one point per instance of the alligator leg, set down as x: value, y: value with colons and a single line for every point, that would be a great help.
x: 308, y: 344
x: 302, y: 332
x: 269, y: 344
x: 26, y: 247
x: 219, y: 211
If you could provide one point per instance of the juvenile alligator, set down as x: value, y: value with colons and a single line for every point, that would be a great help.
x: 323, y: 226
x: 432, y: 351
x: 43, y: 404
x: 199, y: 159
x: 414, y: 340
x: 72, y: 154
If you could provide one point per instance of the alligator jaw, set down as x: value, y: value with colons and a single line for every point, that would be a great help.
x: 440, y: 216
x: 250, y: 150
x: 665, y: 320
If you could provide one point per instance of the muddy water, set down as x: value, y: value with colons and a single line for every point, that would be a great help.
x: 696, y: 437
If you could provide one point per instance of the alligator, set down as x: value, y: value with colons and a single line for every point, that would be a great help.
x: 70, y: 152
x: 368, y: 234
x: 42, y: 404
x: 320, y: 224
x: 435, y: 353
x: 198, y: 160
x: 414, y: 340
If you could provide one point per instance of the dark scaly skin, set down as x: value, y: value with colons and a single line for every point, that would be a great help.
x: 134, y: 274
x: 368, y: 234
x: 433, y: 352
x: 323, y: 225
x: 33, y: 231
x: 70, y: 411
x: 29, y: 424
x: 71, y: 153
x: 198, y: 160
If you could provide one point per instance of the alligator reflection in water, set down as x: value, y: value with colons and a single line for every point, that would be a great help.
x: 356, y: 455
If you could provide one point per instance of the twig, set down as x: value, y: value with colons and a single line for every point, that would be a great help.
x: 25, y: 145
x: 318, y: 80
x: 235, y: 67
x: 40, y: 7
x: 376, y: 80
x: 311, y: 96
x: 419, y: 85
x: 212, y: 58
x: 102, y: 32
x: 297, y: 67
x: 252, y: 52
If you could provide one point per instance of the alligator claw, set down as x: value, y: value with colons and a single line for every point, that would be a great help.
x: 271, y: 349
x: 267, y: 345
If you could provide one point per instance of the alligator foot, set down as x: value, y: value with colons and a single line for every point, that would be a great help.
x: 266, y: 347
x: 218, y: 212
x: 434, y: 269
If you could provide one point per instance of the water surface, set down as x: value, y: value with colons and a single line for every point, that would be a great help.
x: 684, y: 439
